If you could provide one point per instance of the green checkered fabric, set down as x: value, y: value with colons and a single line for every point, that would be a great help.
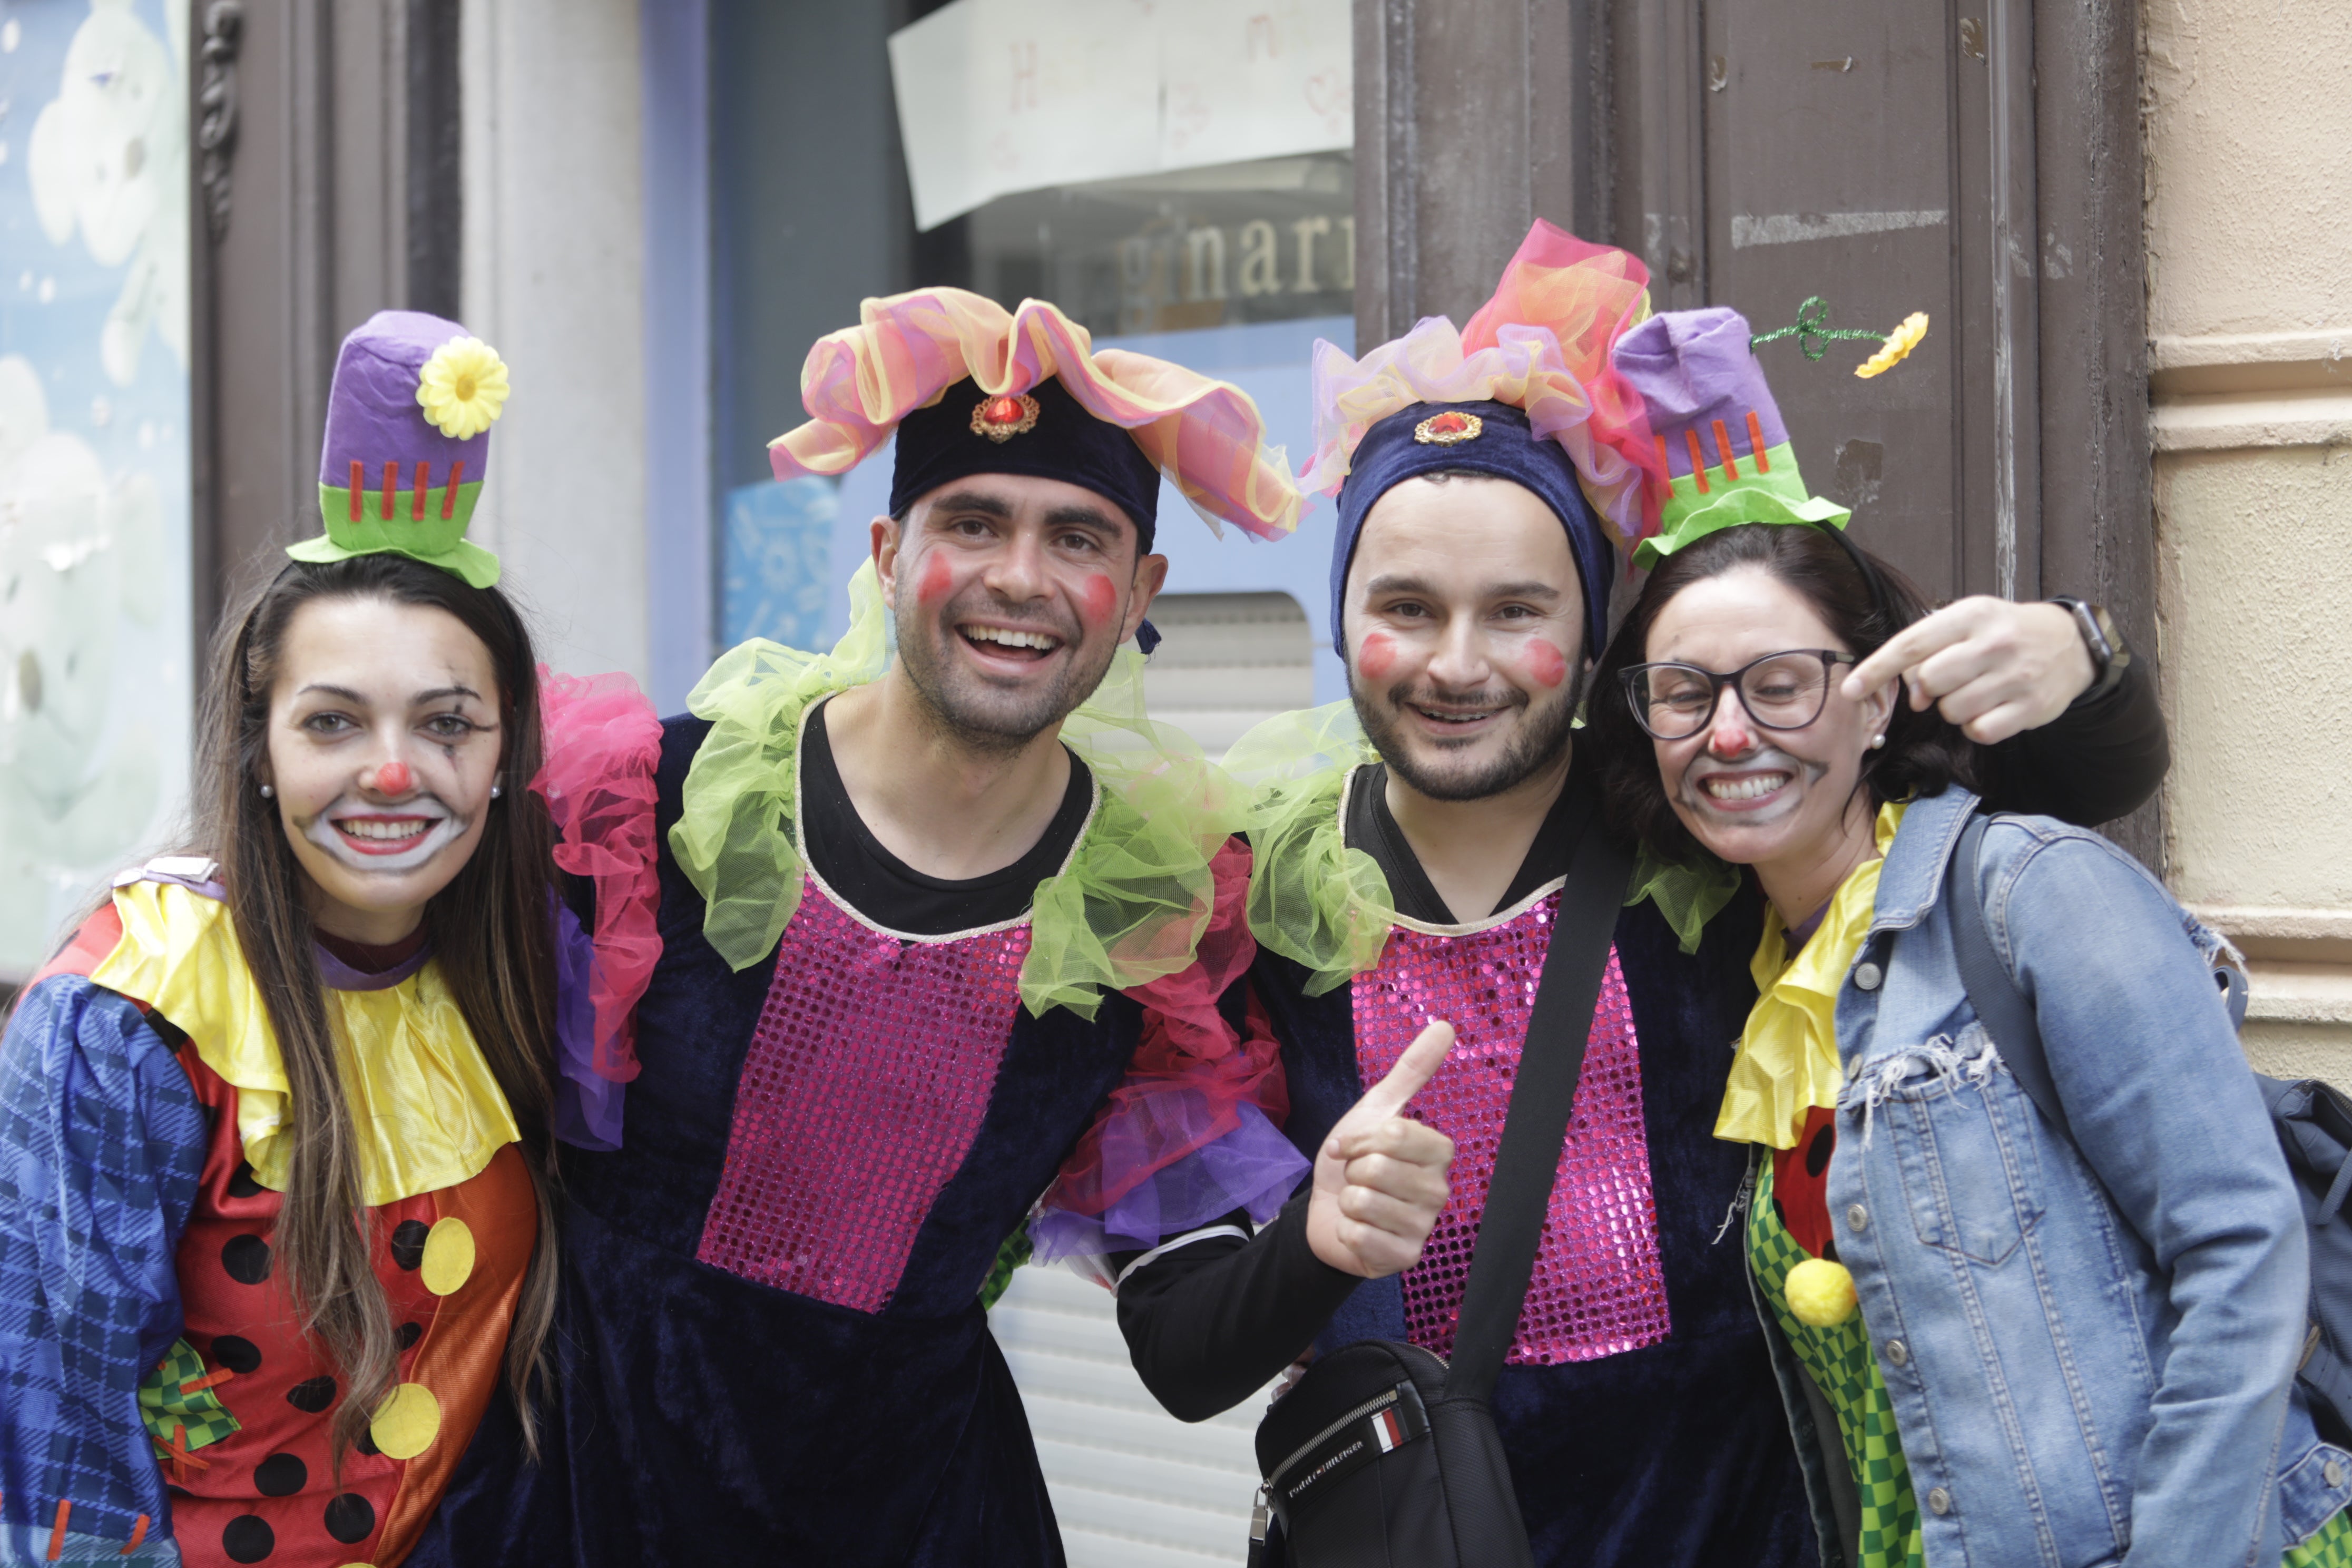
x: 1841, y: 1361
x: 165, y: 1404
x: 2330, y: 1547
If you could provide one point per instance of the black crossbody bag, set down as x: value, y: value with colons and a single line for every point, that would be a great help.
x: 1383, y: 1454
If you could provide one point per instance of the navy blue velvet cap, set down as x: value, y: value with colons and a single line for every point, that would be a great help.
x: 1052, y: 436
x: 1392, y: 452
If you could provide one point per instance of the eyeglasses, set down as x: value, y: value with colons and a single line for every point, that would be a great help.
x: 1780, y: 691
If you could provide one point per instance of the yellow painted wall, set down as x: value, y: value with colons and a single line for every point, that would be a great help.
x: 2249, y: 309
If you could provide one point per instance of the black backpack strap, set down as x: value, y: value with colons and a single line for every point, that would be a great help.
x: 1535, y: 1125
x: 2007, y: 1015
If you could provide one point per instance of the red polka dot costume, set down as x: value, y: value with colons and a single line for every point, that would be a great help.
x: 251, y: 1478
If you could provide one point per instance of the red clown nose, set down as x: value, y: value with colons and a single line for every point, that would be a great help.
x: 391, y: 779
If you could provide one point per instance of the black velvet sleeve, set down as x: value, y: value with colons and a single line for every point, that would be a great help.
x: 2095, y: 762
x: 1210, y: 1323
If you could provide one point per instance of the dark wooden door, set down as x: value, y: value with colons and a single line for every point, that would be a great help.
x: 1882, y: 159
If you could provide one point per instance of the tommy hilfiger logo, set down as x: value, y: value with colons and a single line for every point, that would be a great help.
x: 1002, y: 418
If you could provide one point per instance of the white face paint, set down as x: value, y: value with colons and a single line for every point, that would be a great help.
x: 384, y: 743
x: 371, y: 840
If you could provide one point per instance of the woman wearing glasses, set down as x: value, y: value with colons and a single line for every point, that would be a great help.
x: 2000, y: 1341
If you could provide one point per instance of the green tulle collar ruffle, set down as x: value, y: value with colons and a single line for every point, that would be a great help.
x: 1312, y: 899
x: 1128, y: 908
x: 1321, y: 904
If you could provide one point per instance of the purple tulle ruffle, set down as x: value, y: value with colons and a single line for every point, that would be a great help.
x: 587, y: 1105
x: 1253, y: 1168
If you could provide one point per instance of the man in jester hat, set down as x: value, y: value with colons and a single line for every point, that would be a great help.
x: 944, y: 939
x: 345, y: 996
x: 1410, y: 846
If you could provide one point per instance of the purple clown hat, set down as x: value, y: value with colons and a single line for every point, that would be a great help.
x: 408, y: 445
x: 1718, y: 431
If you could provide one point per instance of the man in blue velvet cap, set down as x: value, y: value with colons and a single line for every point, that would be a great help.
x: 1411, y: 845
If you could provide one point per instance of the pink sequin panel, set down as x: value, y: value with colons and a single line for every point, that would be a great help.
x: 1597, y: 1288
x: 867, y: 1078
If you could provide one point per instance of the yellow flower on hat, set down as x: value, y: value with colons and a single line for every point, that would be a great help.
x: 1899, y: 344
x: 463, y: 387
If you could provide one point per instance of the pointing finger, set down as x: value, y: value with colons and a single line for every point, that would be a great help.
x: 1415, y: 1068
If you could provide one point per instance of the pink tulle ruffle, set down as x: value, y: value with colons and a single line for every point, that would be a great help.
x: 1192, y: 1071
x: 1205, y: 436
x: 603, y: 744
x: 1541, y: 343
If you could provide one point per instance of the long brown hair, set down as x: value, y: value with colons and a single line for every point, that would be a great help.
x: 491, y: 937
x: 1859, y: 596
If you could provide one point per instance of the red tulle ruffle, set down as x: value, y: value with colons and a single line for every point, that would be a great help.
x: 1192, y: 1070
x: 603, y: 745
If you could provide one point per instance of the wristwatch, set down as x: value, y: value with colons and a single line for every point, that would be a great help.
x: 2110, y: 655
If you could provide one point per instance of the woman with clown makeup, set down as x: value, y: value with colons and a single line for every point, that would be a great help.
x: 347, y: 998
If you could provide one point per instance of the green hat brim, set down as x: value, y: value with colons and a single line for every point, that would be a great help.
x: 435, y: 540
x: 471, y: 563
x: 1736, y: 504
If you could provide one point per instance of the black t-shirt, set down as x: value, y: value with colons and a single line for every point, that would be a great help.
x: 889, y: 891
x: 1372, y: 828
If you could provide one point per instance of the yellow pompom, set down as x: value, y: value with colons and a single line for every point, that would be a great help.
x: 1821, y: 1292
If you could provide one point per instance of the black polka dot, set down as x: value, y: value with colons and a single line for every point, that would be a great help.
x: 366, y: 1444
x: 237, y: 1354
x: 280, y: 1475
x: 409, y: 1333
x: 242, y: 1185
x: 248, y: 1538
x: 170, y: 1034
x: 350, y: 1519
x: 313, y: 1395
x: 247, y: 1258
x: 1818, y: 1152
x: 408, y: 1242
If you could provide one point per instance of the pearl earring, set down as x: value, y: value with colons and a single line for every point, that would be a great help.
x: 497, y: 790
x: 1876, y: 741
x: 267, y: 793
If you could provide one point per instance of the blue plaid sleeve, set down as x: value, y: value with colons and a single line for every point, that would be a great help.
x: 102, y: 1145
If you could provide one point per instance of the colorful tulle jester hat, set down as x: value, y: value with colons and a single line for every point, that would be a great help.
x: 1525, y: 392
x: 408, y: 445
x: 970, y: 387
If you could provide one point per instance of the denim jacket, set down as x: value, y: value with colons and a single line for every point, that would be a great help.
x: 2090, y: 1343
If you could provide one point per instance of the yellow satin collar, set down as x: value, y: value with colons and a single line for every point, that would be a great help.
x: 1787, y: 1060
x: 427, y: 1112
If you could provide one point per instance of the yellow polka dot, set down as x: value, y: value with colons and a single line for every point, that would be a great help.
x: 448, y: 1256
x: 408, y: 1422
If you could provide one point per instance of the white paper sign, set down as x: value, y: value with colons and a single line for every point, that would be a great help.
x: 1000, y: 96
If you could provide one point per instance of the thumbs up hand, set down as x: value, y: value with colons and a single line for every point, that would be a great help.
x: 1379, y: 1177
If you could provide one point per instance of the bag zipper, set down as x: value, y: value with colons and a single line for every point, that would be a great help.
x: 1317, y: 1441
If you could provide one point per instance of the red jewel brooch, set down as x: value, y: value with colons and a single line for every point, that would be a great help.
x: 1002, y: 418
x: 1450, y: 428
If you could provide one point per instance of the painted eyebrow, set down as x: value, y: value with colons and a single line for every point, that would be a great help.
x: 346, y: 694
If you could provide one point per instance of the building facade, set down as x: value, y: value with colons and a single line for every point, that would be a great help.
x: 2119, y: 218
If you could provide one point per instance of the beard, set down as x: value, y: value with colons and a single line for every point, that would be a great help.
x: 979, y: 714
x: 1539, y: 741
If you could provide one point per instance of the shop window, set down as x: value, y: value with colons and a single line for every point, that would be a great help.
x: 1225, y: 661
